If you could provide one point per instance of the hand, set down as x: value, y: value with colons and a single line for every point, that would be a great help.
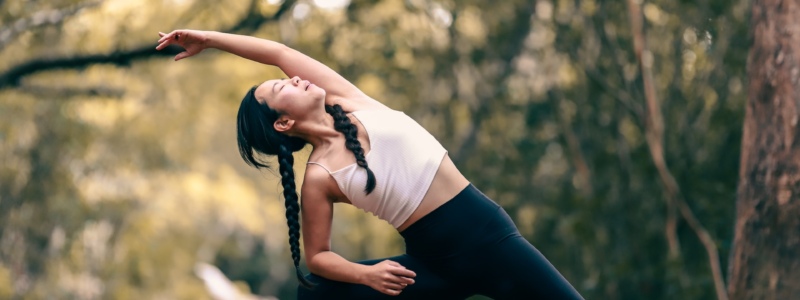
x: 388, y: 277
x: 192, y: 41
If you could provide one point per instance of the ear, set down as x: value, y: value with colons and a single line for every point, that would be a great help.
x: 283, y: 124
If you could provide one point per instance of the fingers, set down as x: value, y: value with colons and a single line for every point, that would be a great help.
x: 391, y: 292
x: 398, y: 280
x: 395, y: 286
x: 165, y: 39
x: 399, y: 269
x: 172, y: 38
x: 182, y: 55
x: 389, y: 262
x: 168, y: 38
x: 162, y: 45
x: 403, y: 272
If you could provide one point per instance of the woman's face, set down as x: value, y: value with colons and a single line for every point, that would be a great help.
x: 294, y: 97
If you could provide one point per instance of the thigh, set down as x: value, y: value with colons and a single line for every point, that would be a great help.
x: 427, y: 285
x: 514, y: 269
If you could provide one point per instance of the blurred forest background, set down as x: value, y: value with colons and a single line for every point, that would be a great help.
x: 119, y: 171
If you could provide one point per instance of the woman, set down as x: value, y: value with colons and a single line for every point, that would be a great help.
x: 458, y: 242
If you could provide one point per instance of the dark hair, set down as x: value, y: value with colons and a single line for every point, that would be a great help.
x: 256, y: 135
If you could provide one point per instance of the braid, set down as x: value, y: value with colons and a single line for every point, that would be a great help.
x: 342, y: 124
x: 286, y: 161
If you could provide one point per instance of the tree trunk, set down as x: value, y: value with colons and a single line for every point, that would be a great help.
x: 765, y: 259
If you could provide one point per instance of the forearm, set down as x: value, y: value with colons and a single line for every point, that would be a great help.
x: 252, y: 48
x: 334, y: 267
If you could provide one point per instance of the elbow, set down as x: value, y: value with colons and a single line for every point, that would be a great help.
x: 312, y: 262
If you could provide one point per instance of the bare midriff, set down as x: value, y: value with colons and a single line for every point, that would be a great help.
x: 446, y: 184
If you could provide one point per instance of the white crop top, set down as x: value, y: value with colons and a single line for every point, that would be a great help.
x: 404, y: 158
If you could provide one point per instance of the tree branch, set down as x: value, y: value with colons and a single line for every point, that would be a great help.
x: 69, y: 92
x: 654, y: 126
x: 12, y: 77
x: 573, y: 144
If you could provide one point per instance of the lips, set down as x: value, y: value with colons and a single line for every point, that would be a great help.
x: 308, y: 84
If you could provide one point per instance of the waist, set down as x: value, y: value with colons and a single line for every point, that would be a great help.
x: 469, y: 220
x: 446, y: 184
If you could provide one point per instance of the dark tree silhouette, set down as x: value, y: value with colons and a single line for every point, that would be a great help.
x: 250, y: 22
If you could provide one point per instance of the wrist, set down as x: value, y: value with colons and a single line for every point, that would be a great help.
x: 211, y: 39
x: 361, y: 273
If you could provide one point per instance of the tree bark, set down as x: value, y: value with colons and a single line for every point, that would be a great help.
x: 765, y: 255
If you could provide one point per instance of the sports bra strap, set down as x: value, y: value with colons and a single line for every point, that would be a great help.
x: 319, y: 164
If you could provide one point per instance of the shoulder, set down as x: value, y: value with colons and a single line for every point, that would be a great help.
x: 315, y: 174
x: 316, y: 184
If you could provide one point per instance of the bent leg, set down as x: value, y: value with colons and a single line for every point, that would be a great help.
x: 427, y: 285
x: 522, y: 272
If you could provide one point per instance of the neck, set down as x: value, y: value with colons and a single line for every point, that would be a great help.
x: 318, y: 131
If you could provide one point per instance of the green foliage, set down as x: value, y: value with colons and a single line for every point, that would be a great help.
x: 116, y: 178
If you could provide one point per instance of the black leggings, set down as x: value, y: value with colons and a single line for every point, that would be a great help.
x: 467, y: 246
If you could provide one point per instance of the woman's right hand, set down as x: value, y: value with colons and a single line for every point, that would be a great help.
x: 388, y: 277
x: 192, y: 41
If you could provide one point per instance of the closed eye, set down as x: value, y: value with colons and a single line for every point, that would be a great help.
x: 284, y: 84
x: 276, y: 84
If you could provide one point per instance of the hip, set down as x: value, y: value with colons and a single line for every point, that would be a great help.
x: 469, y: 222
x: 447, y: 182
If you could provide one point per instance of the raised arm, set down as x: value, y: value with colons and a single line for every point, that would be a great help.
x: 290, y: 61
x: 317, y: 214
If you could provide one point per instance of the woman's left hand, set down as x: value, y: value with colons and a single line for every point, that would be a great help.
x: 192, y: 41
x: 388, y: 277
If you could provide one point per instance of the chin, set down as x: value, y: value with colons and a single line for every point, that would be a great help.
x: 319, y: 93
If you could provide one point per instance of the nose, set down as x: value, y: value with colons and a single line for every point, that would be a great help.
x: 296, y: 80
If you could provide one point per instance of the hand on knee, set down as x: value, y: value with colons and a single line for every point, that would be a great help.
x: 388, y: 277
